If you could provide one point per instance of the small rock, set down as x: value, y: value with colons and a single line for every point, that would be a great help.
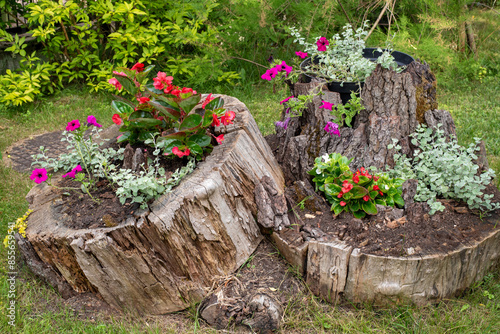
x: 309, y: 216
x: 410, y: 251
x: 319, y: 213
x: 392, y: 224
x: 461, y: 209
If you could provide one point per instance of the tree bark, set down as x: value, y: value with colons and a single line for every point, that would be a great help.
x: 165, y: 258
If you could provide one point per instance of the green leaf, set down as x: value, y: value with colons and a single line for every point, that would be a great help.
x: 188, y: 104
x: 359, y: 214
x: 215, y: 103
x: 191, y: 122
x: 143, y: 136
x: 373, y: 194
x: 127, y: 136
x: 122, y: 107
x: 166, y: 109
x: 142, y: 75
x: 201, y: 140
x: 207, y: 119
x: 337, y: 209
x: 358, y: 192
x: 145, y: 122
x: 369, y: 207
x: 169, y: 144
x: 389, y: 200
x: 354, y: 206
x: 398, y: 200
x: 332, y: 189
x: 128, y: 84
x: 176, y: 135
x: 380, y: 201
x: 151, y: 88
x: 195, y: 148
x: 139, y: 114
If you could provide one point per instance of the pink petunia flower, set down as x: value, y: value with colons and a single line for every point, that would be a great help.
x: 322, y: 43
x: 73, y: 172
x: 39, y: 175
x: 91, y: 120
x: 73, y: 125
x: 332, y: 129
x: 286, y: 100
x: 301, y: 54
x: 327, y: 105
x: 284, y: 67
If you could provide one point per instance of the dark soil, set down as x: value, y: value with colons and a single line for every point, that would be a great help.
x: 390, y: 234
x: 109, y: 212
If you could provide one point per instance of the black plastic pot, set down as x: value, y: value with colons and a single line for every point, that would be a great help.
x: 402, y: 59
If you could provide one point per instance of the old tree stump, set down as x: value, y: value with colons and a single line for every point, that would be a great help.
x: 395, y: 103
x: 167, y: 257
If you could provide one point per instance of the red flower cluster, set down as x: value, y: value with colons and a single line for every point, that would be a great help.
x: 180, y: 153
x: 225, y: 119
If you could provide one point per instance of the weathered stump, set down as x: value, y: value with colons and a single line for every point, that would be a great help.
x: 167, y: 257
x: 394, y: 104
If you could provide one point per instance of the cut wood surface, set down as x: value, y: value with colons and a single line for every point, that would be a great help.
x: 167, y: 257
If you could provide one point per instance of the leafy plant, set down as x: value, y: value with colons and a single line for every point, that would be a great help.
x: 166, y: 109
x: 444, y: 169
x: 357, y: 193
x: 83, y: 41
x: 341, y: 58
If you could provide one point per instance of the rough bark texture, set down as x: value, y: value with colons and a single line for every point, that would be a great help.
x: 425, y: 88
x: 167, y: 257
x: 336, y: 270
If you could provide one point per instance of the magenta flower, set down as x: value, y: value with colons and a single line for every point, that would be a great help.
x: 91, y: 120
x: 73, y: 172
x: 322, y: 43
x: 39, y: 175
x: 284, y: 67
x: 332, y: 129
x: 73, y: 125
x: 286, y: 100
x: 301, y: 54
x: 283, y: 124
x: 327, y: 105
x: 270, y: 74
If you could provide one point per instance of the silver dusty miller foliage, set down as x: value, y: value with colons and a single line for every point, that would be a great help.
x: 444, y: 169
x: 343, y: 60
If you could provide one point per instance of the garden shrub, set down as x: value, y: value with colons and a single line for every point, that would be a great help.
x: 83, y: 41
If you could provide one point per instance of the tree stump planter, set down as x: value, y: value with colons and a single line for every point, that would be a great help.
x: 165, y: 258
x: 337, y: 268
